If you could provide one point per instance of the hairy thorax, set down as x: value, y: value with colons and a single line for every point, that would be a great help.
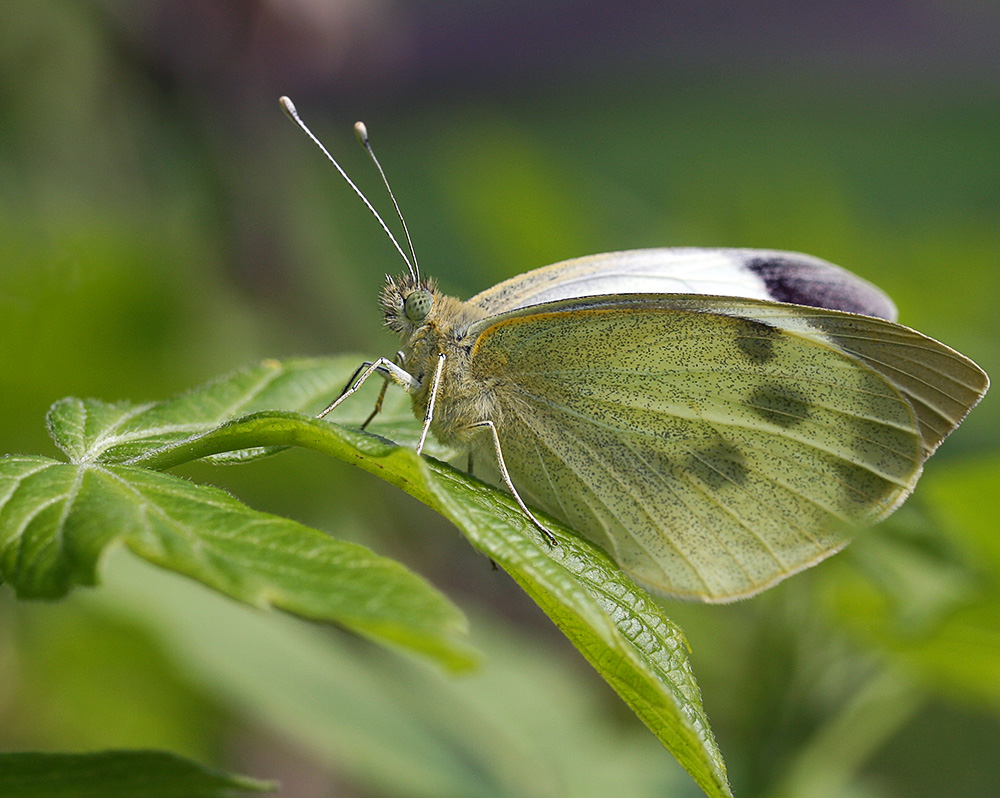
x: 464, y: 397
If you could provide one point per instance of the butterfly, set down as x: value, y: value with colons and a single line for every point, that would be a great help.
x: 715, y: 419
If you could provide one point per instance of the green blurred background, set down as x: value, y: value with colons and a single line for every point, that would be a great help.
x: 161, y: 222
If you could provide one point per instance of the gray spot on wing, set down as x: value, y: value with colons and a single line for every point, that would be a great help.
x: 717, y: 465
x: 780, y: 405
x: 860, y: 486
x: 755, y: 339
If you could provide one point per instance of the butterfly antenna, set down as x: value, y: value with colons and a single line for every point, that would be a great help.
x: 289, y: 109
x: 362, y: 133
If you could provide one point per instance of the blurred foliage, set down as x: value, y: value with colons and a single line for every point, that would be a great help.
x: 161, y: 222
x: 118, y: 774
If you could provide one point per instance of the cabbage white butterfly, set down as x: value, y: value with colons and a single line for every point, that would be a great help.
x: 716, y: 419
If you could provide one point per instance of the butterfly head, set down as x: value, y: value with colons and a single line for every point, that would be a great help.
x: 407, y: 302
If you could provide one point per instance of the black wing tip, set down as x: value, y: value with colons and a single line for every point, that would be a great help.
x: 805, y: 280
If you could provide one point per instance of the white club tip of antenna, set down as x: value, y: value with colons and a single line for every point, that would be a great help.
x: 288, y: 106
x: 361, y: 132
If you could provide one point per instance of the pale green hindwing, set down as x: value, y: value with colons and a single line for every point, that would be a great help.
x: 715, y: 445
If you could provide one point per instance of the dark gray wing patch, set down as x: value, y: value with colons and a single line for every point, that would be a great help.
x: 815, y: 283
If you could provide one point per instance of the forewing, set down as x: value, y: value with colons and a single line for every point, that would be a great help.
x: 715, y: 446
x: 753, y: 273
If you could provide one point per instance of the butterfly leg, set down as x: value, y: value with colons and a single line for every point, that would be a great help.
x: 385, y: 368
x: 549, y: 537
x: 431, y: 399
x: 398, y: 360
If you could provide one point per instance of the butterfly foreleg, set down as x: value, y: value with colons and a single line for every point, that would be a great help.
x: 398, y: 360
x: 505, y: 475
x: 431, y: 399
x: 386, y: 369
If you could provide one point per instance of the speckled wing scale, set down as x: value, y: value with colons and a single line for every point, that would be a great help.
x: 712, y: 444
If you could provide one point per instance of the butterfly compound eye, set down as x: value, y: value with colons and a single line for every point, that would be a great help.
x: 417, y: 305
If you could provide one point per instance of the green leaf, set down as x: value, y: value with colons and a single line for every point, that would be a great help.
x: 63, y: 516
x: 56, y: 519
x: 118, y: 774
